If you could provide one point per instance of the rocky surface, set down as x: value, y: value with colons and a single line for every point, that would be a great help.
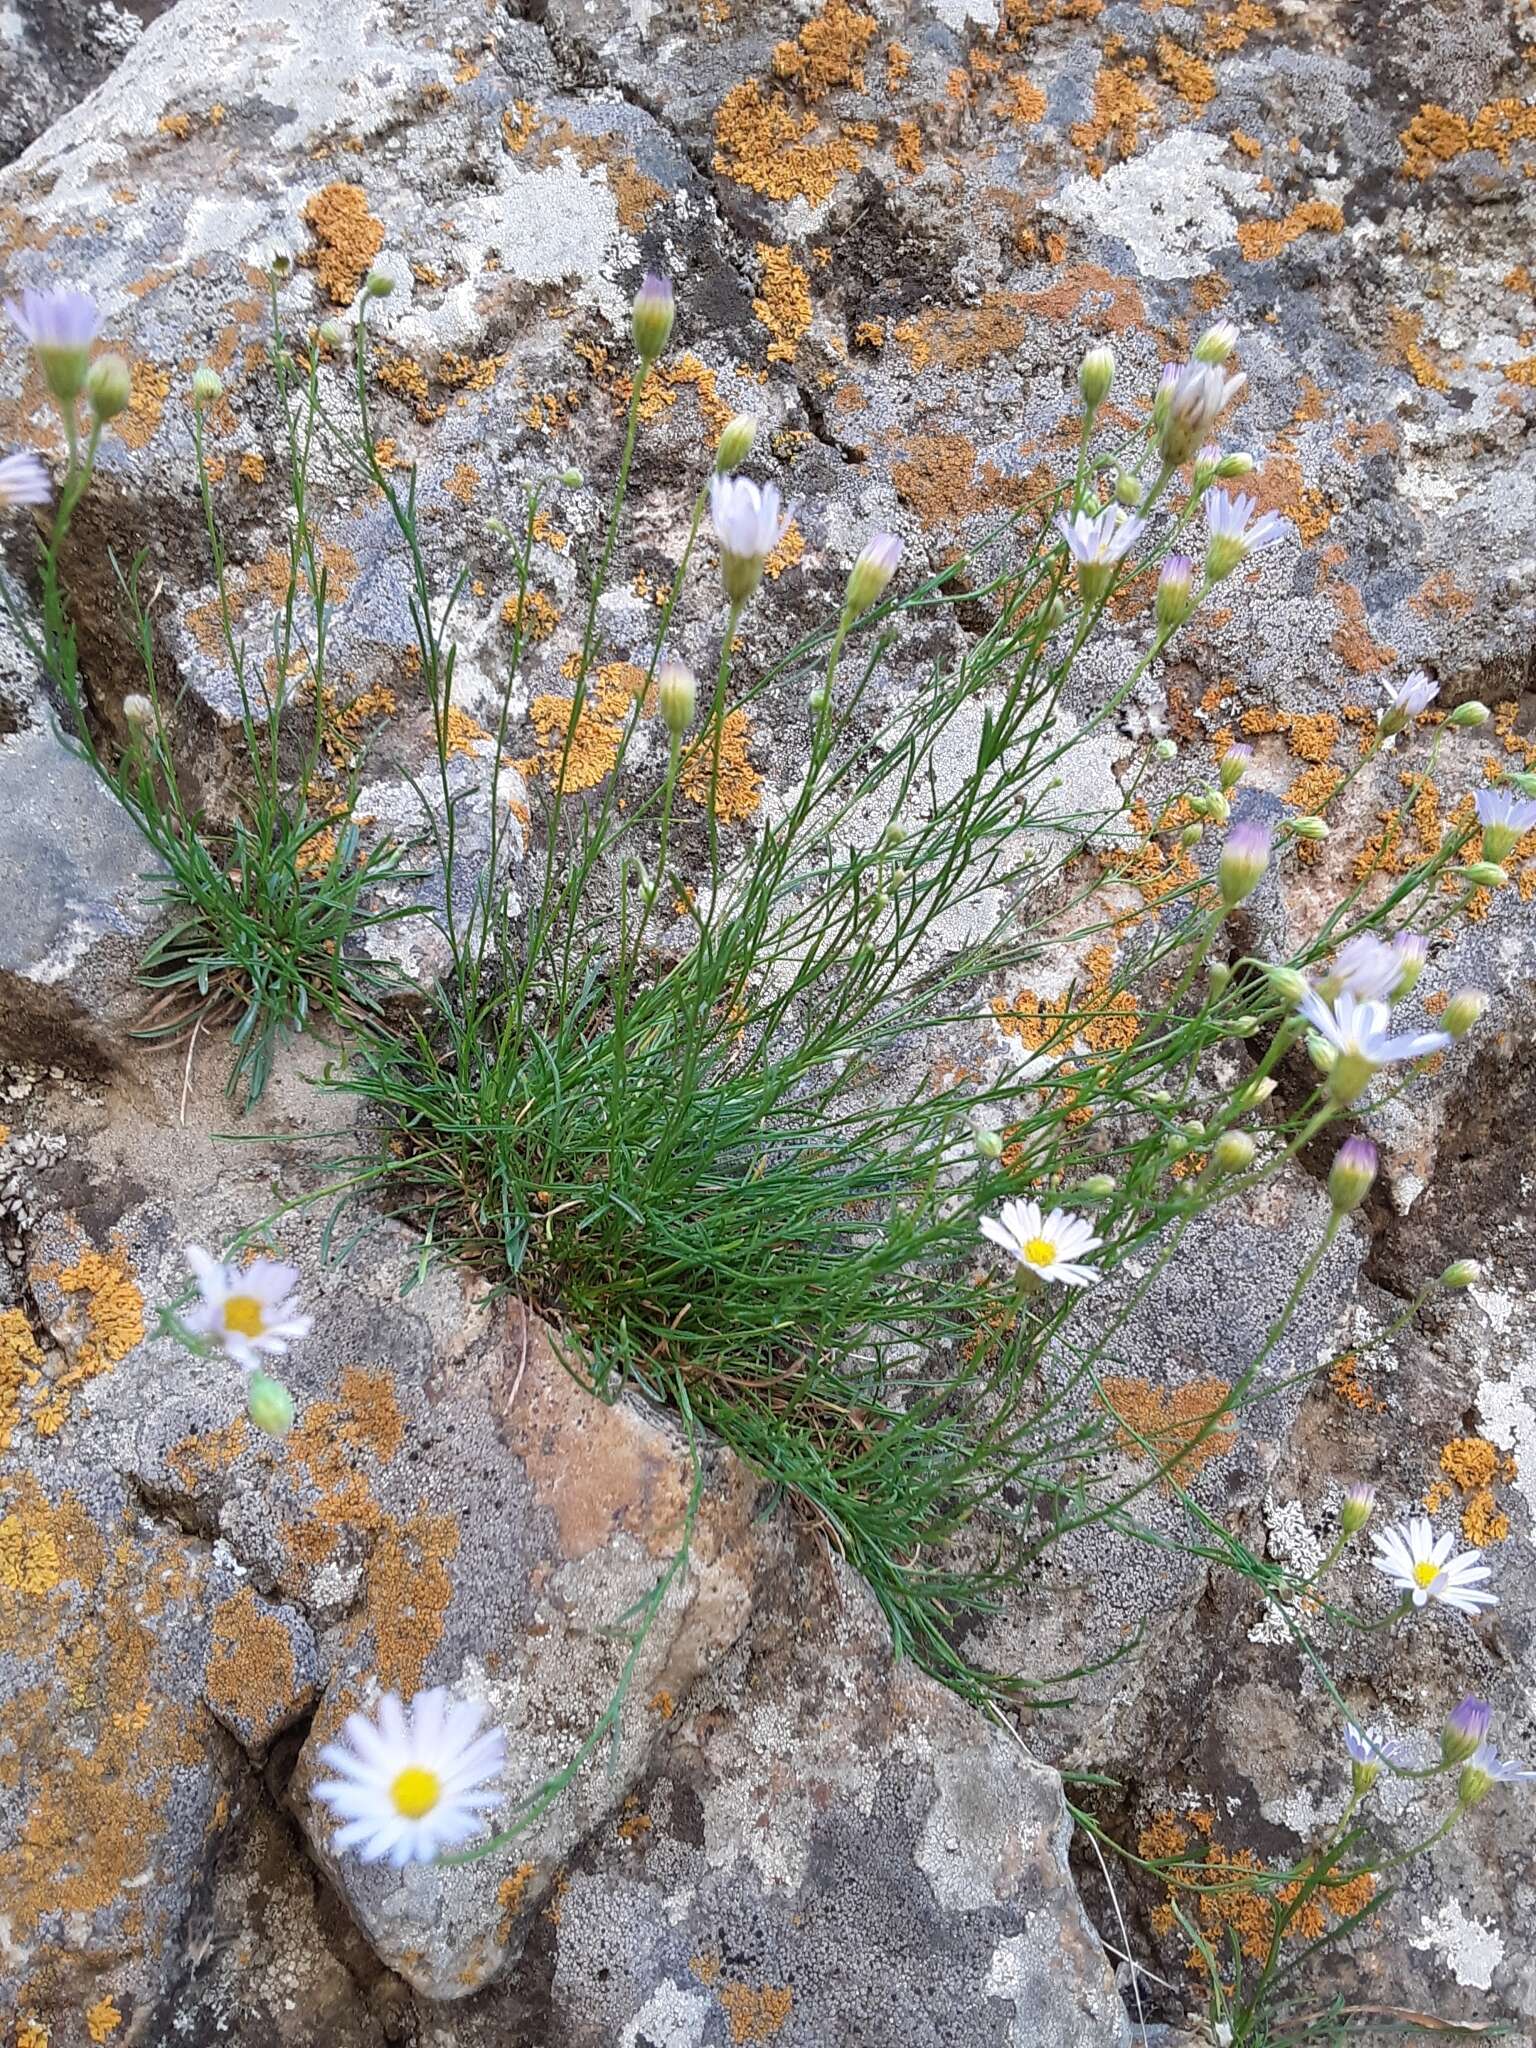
x: 893, y: 232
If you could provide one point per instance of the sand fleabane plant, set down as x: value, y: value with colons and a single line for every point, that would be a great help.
x: 1429, y: 1568
x: 250, y: 1314
x: 266, y: 911
x: 1052, y: 1247
x: 415, y: 1780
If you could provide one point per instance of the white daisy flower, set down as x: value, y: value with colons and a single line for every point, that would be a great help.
x: 248, y: 1311
x: 749, y: 525
x: 413, y: 1782
x: 1374, y: 969
x: 1359, y: 1036
x: 1421, y: 1563
x: 1051, y: 1247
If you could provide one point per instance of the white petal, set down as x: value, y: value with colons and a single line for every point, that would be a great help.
x: 1074, y: 1276
x: 351, y: 1802
x: 208, y: 1272
x: 392, y: 1726
x: 427, y: 1716
x: 1000, y: 1235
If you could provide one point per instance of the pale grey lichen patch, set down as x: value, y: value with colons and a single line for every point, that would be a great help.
x: 1171, y: 205
x: 1471, y: 1948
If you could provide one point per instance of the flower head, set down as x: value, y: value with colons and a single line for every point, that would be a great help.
x: 1505, y: 820
x: 1217, y: 342
x: 1405, y: 701
x: 1050, y: 1247
x: 414, y: 1781
x: 651, y: 316
x: 1374, y: 969
x: 1466, y: 1730
x: 1098, y: 543
x: 1095, y: 374
x: 1244, y: 858
x: 1175, y: 598
x: 1355, y: 1512
x: 1369, y: 1756
x: 1421, y: 1563
x: 1188, y: 404
x: 735, y: 442
x: 1231, y: 539
x: 876, y: 565
x: 1464, y: 1011
x: 23, y: 481
x: 1351, y: 1175
x: 677, y: 696
x: 60, y: 325
x: 248, y: 1311
x: 1358, y: 1035
x: 1485, y: 1769
x: 748, y: 526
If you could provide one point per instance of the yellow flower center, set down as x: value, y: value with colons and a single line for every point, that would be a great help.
x: 242, y: 1314
x: 1040, y: 1251
x: 1425, y: 1573
x: 415, y: 1791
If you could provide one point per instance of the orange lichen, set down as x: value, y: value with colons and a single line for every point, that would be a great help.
x: 540, y: 614
x: 347, y: 239
x: 1119, y: 107
x: 1165, y: 1836
x: 1435, y: 136
x: 783, y: 303
x: 1344, y: 1378
x: 738, y: 787
x: 1474, y: 1465
x: 1404, y: 329
x: 668, y: 380
x: 1181, y: 1428
x: 1023, y: 104
x: 20, y: 1368
x: 789, y: 549
x: 590, y: 751
x: 151, y: 388
x: 1261, y: 240
x: 828, y: 52
x: 1246, y: 145
x: 755, y: 2015
x: 1192, y: 80
x: 103, y: 2019
x: 1225, y: 33
x: 907, y: 149
x: 766, y: 146
x: 462, y: 734
x: 100, y: 1331
x: 250, y: 1671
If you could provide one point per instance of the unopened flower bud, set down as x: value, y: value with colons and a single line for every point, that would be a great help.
x: 280, y: 263
x: 1254, y: 1093
x: 989, y: 1145
x: 1474, y: 1783
x: 269, y: 1404
x: 893, y: 836
x: 1053, y: 612
x: 1244, y: 1026
x: 207, y: 386
x: 138, y: 710
x: 1238, y: 463
x: 871, y: 573
x: 333, y: 333
x: 1412, y: 953
x: 818, y: 699
x: 1351, y: 1175
x: 1165, y: 750
x: 1127, y: 490
x: 1217, y: 342
x: 1207, y: 462
x: 1235, y: 763
x: 1176, y: 597
x: 1218, y: 977
x: 1287, y: 984
x: 1461, y: 1273
x: 1233, y: 1152
x: 1313, y: 829
x: 1095, y: 374
x: 1468, y: 715
x: 1322, y: 1055
x: 109, y: 387
x: 1160, y: 1098
x: 1466, y: 1730
x: 378, y: 284
x: 651, y: 316
x: 1244, y: 860
x: 735, y: 442
x: 572, y: 478
x: 1523, y: 780
x: 676, y: 697
x: 1463, y: 1011
x: 1191, y: 835
x: 1485, y: 874
x: 1359, y: 1500
x: 1098, y: 1187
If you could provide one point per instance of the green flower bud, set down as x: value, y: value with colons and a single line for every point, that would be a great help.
x: 1218, y: 976
x: 1355, y: 1512
x: 1217, y: 343
x: 1463, y: 1011
x: 109, y: 387
x: 1352, y: 1175
x: 1524, y: 781
x: 1238, y: 463
x: 893, y: 836
x: 1485, y: 874
x: 207, y: 387
x: 1095, y: 374
x: 735, y: 442
x: 1191, y: 835
x: 1287, y: 984
x: 651, y: 316
x: 1315, y: 829
x: 989, y: 1145
x: 334, y: 333
x: 1127, y: 489
x: 1233, y: 1152
x: 818, y: 699
x: 1466, y: 715
x: 1461, y: 1273
x: 1165, y: 750
x: 1097, y: 1187
x: 676, y: 697
x: 1244, y: 1026
x: 572, y: 478
x: 269, y: 1404
x: 1254, y: 1093
x: 379, y: 284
